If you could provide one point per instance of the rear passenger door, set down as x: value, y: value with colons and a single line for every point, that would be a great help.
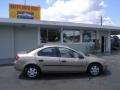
x: 48, y: 59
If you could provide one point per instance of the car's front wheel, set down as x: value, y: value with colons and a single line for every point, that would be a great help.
x: 32, y: 72
x: 94, y: 69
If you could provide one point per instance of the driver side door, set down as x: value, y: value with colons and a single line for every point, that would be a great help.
x: 71, y: 60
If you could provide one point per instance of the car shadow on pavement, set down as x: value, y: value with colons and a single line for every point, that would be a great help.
x: 67, y: 76
x: 106, y: 73
x: 64, y: 76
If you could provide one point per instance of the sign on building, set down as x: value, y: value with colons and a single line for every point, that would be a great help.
x: 17, y: 11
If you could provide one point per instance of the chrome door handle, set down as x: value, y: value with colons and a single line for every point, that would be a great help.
x: 41, y: 60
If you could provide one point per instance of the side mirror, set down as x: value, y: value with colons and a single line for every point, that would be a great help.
x: 81, y: 57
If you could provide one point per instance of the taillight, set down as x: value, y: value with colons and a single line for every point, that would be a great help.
x: 17, y: 57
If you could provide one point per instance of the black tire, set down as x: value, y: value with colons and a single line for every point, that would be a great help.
x: 32, y: 71
x: 94, y: 69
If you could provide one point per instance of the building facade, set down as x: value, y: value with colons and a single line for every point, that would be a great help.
x: 22, y: 35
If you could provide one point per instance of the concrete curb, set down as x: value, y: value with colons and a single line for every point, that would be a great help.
x: 11, y: 64
x: 7, y: 62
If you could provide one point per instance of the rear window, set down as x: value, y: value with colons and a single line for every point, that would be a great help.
x: 34, y: 49
x: 50, y: 52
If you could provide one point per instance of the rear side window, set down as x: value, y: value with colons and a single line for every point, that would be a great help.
x: 50, y: 52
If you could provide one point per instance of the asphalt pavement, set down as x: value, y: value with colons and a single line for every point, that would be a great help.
x: 110, y: 80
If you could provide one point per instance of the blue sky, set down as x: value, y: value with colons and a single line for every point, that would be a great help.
x: 110, y: 12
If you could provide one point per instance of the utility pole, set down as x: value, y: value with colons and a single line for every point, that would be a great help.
x: 101, y: 20
x: 25, y: 2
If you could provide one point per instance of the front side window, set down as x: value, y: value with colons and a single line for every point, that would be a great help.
x: 71, y: 36
x: 49, y: 35
x: 50, y: 52
x: 68, y: 53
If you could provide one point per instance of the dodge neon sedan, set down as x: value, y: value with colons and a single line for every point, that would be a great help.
x: 57, y: 59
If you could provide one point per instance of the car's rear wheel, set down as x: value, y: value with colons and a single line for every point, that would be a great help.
x: 94, y: 69
x: 32, y: 72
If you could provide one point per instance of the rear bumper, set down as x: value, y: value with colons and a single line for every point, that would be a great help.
x: 18, y: 66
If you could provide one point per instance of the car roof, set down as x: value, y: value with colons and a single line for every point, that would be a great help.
x: 46, y: 45
x: 52, y: 45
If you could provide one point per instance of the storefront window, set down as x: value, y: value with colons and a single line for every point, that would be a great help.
x: 76, y: 36
x: 71, y: 36
x: 87, y: 36
x: 49, y: 35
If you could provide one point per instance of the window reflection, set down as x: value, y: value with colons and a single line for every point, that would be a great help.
x: 49, y: 35
x: 76, y: 36
x: 87, y: 36
x: 71, y: 36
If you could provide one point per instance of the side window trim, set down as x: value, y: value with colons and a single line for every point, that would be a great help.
x: 58, y: 52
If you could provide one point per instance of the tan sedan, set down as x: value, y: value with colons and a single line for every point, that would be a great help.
x: 57, y: 59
